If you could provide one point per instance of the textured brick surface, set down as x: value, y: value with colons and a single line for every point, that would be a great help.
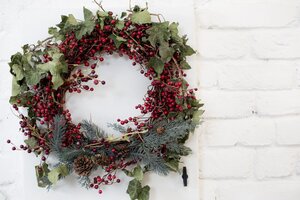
x: 248, y: 71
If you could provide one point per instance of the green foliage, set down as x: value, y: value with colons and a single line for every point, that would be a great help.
x: 84, y: 181
x: 56, y: 67
x: 59, y: 172
x: 31, y: 142
x: 59, y: 128
x: 136, y: 191
x: 158, y: 33
x: 166, y: 52
x: 120, y: 24
x: 117, y: 127
x: 137, y: 173
x: 141, y: 16
x: 117, y: 40
x: 157, y: 64
x: 91, y: 131
x: 88, y: 25
x: 42, y: 175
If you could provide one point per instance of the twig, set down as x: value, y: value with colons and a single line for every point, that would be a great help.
x: 130, y: 8
x: 100, y: 5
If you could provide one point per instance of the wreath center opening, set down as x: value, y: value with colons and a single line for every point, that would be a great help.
x: 122, y: 80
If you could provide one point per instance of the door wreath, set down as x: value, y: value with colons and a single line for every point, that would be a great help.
x: 66, y: 62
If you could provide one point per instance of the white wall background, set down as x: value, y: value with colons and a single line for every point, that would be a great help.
x: 249, y: 78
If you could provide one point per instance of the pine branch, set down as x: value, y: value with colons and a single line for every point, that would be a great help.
x: 117, y: 127
x: 59, y: 128
x: 92, y: 131
x: 84, y: 181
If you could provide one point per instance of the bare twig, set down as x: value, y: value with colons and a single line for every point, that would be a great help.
x: 99, y: 4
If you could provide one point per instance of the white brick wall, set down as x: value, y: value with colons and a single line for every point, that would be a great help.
x: 249, y: 79
x: 249, y: 72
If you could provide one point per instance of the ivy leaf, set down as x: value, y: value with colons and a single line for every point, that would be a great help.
x: 134, y: 188
x: 54, y: 32
x: 71, y: 21
x: 174, y: 33
x: 141, y: 17
x: 128, y: 173
x: 58, y: 172
x: 186, y: 50
x: 120, y: 25
x: 41, y: 175
x: 56, y: 67
x: 33, y: 77
x: 158, y: 33
x: 166, y: 52
x: 117, y: 40
x: 144, y: 193
x: 102, y: 14
x: 16, y: 88
x: 184, y: 65
x: 88, y: 25
x: 173, y: 164
x: 197, y: 116
x: 17, y: 69
x: 138, y: 173
x: 31, y: 142
x: 88, y: 15
x: 157, y: 64
x: 123, y: 14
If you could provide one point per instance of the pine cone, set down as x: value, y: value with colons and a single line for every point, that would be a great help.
x: 83, y: 165
x: 160, y: 130
x: 101, y: 160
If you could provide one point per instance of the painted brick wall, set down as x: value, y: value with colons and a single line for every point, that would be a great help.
x: 249, y: 52
x: 249, y: 58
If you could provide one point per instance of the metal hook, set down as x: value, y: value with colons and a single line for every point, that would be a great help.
x: 184, y: 176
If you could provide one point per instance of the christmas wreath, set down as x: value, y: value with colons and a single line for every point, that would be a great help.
x: 66, y: 62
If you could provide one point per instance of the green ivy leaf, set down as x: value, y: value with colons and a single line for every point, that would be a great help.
x: 16, y: 88
x: 71, y: 21
x: 120, y: 25
x: 166, y: 52
x: 88, y: 15
x: 23, y: 97
x: 55, y: 174
x: 55, y: 33
x: 123, y: 14
x: 33, y: 77
x: 157, y: 64
x: 117, y: 40
x: 174, y: 33
x: 31, y: 142
x: 141, y: 17
x: 138, y: 173
x: 17, y: 69
x: 186, y: 50
x: 159, y: 33
x: 41, y: 175
x: 88, y: 25
x: 144, y: 193
x: 173, y: 164
x: 197, y: 116
x: 56, y: 67
x: 102, y: 14
x: 134, y: 188
x: 184, y: 65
